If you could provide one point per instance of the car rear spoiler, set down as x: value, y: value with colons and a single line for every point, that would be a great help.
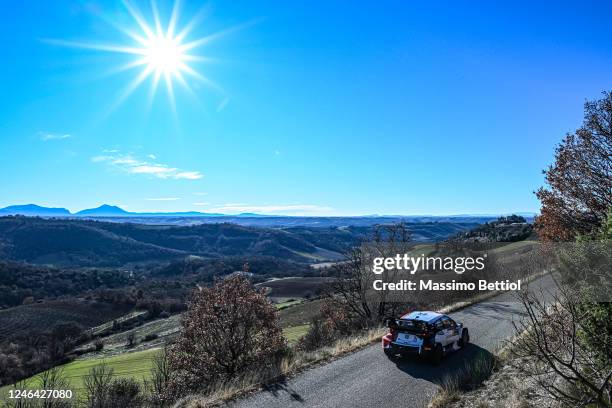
x: 391, y: 323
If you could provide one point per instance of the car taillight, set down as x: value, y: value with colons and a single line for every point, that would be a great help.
x: 393, y: 334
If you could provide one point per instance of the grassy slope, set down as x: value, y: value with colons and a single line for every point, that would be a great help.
x: 39, y: 317
x: 136, y: 365
x: 293, y: 334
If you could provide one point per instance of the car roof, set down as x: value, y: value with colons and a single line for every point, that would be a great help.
x: 422, y: 316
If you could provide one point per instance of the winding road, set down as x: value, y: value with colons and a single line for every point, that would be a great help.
x: 366, y: 378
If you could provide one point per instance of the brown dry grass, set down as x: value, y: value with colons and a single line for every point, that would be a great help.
x: 289, y: 366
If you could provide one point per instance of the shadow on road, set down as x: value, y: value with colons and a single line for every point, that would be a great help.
x: 281, y: 387
x: 498, y: 309
x: 452, y: 364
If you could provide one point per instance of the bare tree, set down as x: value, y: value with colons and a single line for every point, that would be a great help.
x: 161, y: 375
x: 554, y: 349
x: 352, y: 292
x: 131, y: 339
x: 97, y: 385
x: 54, y: 379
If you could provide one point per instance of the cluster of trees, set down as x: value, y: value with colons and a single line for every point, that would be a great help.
x: 510, y: 228
x: 105, y: 244
x: 567, y: 342
x: 20, y: 281
x: 207, y: 270
x: 21, y: 357
x: 510, y: 219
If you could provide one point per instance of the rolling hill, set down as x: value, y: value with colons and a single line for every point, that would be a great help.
x: 84, y: 242
x: 70, y: 242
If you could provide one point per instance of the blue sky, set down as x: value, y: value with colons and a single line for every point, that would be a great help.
x: 318, y: 108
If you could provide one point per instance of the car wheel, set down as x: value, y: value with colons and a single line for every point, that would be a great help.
x: 465, y: 338
x: 437, y: 354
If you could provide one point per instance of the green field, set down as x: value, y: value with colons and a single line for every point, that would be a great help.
x: 293, y: 334
x: 135, y: 365
x: 287, y: 303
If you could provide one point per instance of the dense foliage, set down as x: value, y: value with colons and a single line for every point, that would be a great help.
x: 20, y: 282
x: 578, y: 194
x: 71, y: 242
x: 567, y: 341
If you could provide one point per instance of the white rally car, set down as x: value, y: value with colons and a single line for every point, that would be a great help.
x: 427, y: 334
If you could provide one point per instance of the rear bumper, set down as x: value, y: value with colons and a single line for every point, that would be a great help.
x: 394, y: 349
x: 405, y: 350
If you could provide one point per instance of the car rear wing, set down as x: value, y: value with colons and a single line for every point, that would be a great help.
x: 409, y: 326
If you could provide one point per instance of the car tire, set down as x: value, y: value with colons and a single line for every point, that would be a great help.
x: 437, y: 354
x: 465, y: 338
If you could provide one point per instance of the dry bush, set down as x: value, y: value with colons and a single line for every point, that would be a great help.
x: 124, y: 392
x: 131, y: 339
x: 318, y: 335
x: 228, y: 329
x: 161, y: 375
x: 98, y: 344
x: 473, y: 373
x: 54, y: 379
x: 556, y: 349
x: 97, y: 385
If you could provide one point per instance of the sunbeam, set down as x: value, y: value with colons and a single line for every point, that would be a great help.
x: 162, y: 50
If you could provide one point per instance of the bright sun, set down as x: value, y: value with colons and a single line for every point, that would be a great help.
x: 163, y: 55
x: 160, y: 50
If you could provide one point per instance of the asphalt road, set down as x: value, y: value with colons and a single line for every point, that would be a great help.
x: 367, y: 378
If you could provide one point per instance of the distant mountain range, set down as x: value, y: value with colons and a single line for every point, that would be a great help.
x: 104, y: 210
x: 113, y: 211
x: 34, y: 210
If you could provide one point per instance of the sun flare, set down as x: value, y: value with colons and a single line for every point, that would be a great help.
x: 164, y: 55
x: 159, y: 50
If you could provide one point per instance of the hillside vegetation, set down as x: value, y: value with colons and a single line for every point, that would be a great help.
x: 94, y: 243
x: 71, y: 242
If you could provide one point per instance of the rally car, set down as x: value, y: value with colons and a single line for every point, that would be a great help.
x: 426, y: 334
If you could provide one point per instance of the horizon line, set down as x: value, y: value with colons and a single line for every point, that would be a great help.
x: 125, y: 213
